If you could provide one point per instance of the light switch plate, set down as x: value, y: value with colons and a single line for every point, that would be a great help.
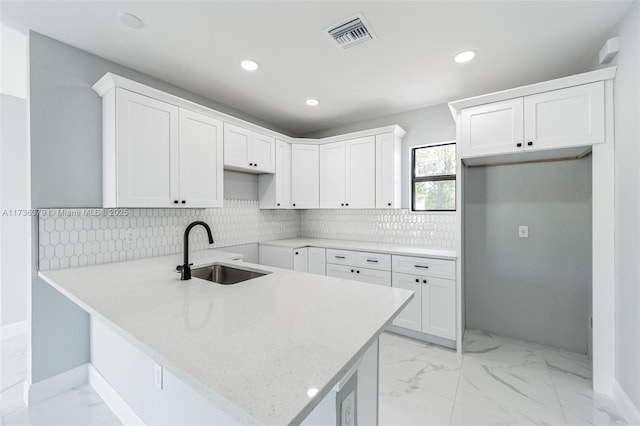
x: 523, y: 231
x: 157, y: 376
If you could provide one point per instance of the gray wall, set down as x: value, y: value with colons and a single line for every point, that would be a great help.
x: 627, y: 206
x: 66, y: 144
x: 15, y: 195
x: 423, y: 126
x: 538, y: 288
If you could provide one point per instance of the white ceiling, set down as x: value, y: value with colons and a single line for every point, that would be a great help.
x: 197, y: 45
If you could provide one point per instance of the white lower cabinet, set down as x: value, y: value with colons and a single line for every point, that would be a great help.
x: 433, y: 307
x: 316, y: 260
x: 366, y: 267
x: 301, y: 259
x: 411, y: 315
x: 365, y: 275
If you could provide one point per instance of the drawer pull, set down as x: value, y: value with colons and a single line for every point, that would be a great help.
x: 372, y: 261
x: 339, y: 257
x: 421, y: 266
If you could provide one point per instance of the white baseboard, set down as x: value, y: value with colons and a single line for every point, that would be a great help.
x: 624, y: 403
x: 45, y: 389
x: 13, y: 329
x: 114, y: 401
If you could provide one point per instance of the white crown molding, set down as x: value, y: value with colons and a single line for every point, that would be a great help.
x: 545, y: 86
x: 110, y: 81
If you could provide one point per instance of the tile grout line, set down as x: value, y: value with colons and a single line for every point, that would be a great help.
x: 455, y: 398
x: 555, y: 390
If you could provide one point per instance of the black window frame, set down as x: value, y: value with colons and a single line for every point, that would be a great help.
x: 437, y: 178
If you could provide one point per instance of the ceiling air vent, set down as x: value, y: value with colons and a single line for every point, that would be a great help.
x: 351, y: 31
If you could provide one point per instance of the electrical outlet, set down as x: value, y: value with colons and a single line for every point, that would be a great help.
x: 130, y: 237
x: 348, y: 409
x: 157, y: 376
x: 523, y: 231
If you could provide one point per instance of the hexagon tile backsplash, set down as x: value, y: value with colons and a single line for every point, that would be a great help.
x: 435, y: 230
x: 79, y: 237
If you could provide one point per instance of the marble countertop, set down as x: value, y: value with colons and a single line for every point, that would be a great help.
x: 364, y: 246
x: 268, y: 340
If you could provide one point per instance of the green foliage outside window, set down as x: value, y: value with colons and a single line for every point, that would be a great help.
x: 434, y: 177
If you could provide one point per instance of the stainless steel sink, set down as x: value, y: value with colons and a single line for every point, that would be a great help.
x: 225, y: 274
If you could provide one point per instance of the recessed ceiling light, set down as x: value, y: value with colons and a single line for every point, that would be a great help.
x: 249, y: 65
x: 130, y: 20
x: 312, y: 102
x: 465, y: 56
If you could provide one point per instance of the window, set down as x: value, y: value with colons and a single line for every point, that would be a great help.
x: 433, y: 178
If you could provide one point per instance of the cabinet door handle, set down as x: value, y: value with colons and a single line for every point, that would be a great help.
x: 421, y: 266
x: 175, y: 201
x: 372, y: 261
x: 352, y: 271
x: 294, y: 204
x: 417, y: 280
x: 251, y: 164
x: 424, y: 281
x: 519, y: 144
x: 297, y: 253
x: 388, y: 204
x: 347, y: 204
x: 357, y: 272
x: 184, y: 202
x: 529, y: 143
x: 255, y: 165
x: 342, y: 204
x: 339, y: 257
x: 278, y: 204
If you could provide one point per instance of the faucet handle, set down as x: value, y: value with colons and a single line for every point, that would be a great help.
x: 181, y: 267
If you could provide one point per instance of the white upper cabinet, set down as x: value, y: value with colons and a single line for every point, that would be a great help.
x: 274, y: 190
x: 201, y: 152
x: 563, y: 118
x: 305, y: 175
x: 248, y: 151
x: 140, y: 164
x: 156, y: 154
x: 492, y: 128
x: 332, y: 175
x: 388, y: 171
x: 348, y: 173
x: 361, y: 173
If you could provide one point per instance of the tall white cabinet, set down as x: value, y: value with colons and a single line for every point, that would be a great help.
x: 274, y: 190
x: 305, y: 175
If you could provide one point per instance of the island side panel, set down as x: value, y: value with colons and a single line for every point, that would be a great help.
x: 130, y: 373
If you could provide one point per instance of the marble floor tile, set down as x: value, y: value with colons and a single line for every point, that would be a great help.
x: 582, y: 406
x: 13, y: 371
x: 424, y: 366
x: 79, y: 406
x: 507, y: 394
x: 401, y: 404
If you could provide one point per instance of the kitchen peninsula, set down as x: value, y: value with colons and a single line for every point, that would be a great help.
x: 282, y: 348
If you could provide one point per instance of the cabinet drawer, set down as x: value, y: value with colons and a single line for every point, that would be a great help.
x: 341, y: 271
x: 342, y: 257
x: 373, y: 260
x: 424, y: 266
x: 362, y: 259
